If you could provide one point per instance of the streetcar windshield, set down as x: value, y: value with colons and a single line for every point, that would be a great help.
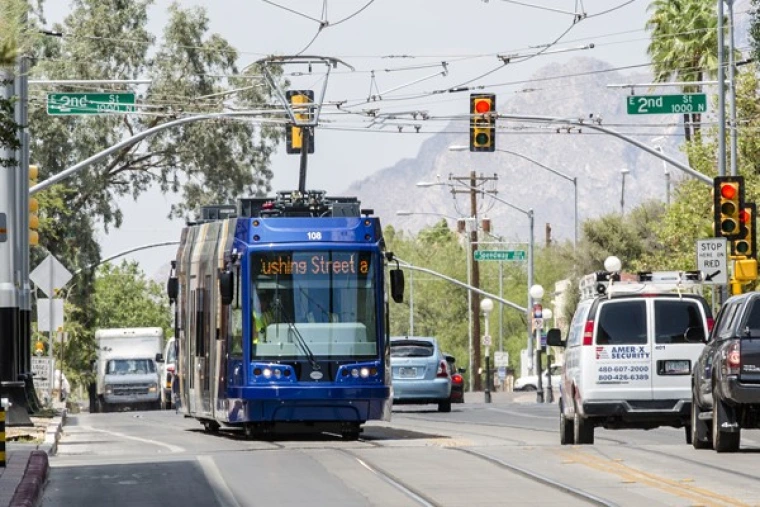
x: 319, y: 303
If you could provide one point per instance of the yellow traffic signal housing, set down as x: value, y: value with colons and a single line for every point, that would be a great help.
x: 34, y: 206
x: 482, y: 122
x: 745, y: 270
x: 746, y: 245
x: 39, y: 348
x: 302, y: 103
x: 728, y: 203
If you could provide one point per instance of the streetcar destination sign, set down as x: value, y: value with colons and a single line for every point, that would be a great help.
x: 65, y: 104
x: 667, y: 104
x: 499, y: 255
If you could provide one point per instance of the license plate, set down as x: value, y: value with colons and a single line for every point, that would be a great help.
x: 407, y: 372
x: 677, y: 367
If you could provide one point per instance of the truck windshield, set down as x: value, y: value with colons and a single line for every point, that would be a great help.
x: 130, y: 366
x: 326, y: 297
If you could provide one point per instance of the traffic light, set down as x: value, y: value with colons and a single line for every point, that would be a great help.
x: 301, y: 101
x: 746, y: 245
x: 728, y: 202
x: 34, y: 205
x: 482, y: 122
x: 39, y: 348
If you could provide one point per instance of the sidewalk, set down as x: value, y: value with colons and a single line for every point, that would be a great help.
x: 23, y: 478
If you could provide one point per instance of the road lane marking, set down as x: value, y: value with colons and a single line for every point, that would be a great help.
x: 629, y: 475
x: 521, y: 414
x: 172, y: 448
x: 215, y: 479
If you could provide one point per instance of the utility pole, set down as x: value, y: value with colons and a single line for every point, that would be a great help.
x: 474, y: 297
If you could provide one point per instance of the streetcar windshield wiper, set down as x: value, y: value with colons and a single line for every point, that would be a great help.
x: 299, y: 339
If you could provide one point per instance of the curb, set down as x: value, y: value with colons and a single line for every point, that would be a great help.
x: 29, y: 491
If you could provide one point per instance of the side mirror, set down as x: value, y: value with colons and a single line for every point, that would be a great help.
x: 226, y: 287
x: 159, y: 358
x: 461, y: 370
x: 694, y: 335
x: 554, y: 338
x: 397, y: 285
x: 172, y: 288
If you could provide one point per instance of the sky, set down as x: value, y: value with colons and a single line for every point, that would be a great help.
x: 412, y: 48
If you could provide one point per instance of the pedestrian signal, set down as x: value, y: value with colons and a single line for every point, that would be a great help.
x: 297, y: 134
x: 745, y: 245
x: 39, y: 348
x: 728, y: 202
x: 482, y: 122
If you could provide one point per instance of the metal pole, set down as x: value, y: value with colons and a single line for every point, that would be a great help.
x: 22, y: 186
x: 539, y: 372
x: 667, y: 187
x: 721, y: 96
x: 575, y: 191
x: 501, y: 307
x: 622, y: 197
x: 475, y: 306
x: 471, y: 363
x: 488, y: 362
x: 732, y: 88
x: 530, y: 284
x: 411, y: 303
x: 51, y: 337
x: 8, y: 232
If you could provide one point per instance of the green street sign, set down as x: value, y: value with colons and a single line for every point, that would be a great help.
x: 667, y: 104
x: 64, y: 104
x: 499, y: 255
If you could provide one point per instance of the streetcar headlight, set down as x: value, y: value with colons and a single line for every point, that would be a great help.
x: 355, y: 373
x: 267, y: 373
x: 364, y: 372
x: 277, y: 373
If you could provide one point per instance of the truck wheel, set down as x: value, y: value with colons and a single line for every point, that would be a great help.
x: 701, y: 437
x: 583, y: 429
x: 566, y: 428
x: 723, y: 441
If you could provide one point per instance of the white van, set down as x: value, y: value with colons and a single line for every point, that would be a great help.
x: 629, y: 353
x: 167, y: 369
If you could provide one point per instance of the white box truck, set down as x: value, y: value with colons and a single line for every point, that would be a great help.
x: 127, y: 371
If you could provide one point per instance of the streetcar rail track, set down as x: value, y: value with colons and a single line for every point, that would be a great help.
x: 410, y: 491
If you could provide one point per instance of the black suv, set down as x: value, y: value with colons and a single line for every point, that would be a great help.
x: 726, y: 377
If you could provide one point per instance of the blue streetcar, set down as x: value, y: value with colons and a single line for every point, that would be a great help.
x: 282, y: 315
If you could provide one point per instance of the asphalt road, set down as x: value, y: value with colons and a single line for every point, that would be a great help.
x: 503, y: 453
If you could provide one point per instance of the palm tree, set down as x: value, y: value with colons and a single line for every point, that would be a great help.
x: 684, y: 47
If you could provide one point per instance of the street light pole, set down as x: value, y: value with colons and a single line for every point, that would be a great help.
x: 624, y: 172
x: 537, y: 292
x: 486, y: 306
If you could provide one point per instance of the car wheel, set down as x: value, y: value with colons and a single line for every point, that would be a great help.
x: 700, y: 430
x: 583, y: 429
x: 529, y: 387
x: 444, y: 406
x: 566, y: 428
x: 723, y: 441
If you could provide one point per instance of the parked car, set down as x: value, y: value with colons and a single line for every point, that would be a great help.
x: 530, y: 382
x: 726, y: 377
x: 629, y: 353
x: 420, y: 372
x: 457, y: 380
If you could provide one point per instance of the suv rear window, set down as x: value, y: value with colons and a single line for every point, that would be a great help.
x: 622, y: 323
x: 673, y: 318
x: 412, y: 349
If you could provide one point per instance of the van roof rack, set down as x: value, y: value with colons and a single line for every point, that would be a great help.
x: 608, y: 283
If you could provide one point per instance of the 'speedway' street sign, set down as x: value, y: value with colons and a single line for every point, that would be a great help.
x: 667, y: 104
x: 499, y: 255
x: 63, y: 104
x: 712, y: 260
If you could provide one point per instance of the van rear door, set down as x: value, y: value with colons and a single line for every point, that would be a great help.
x: 674, y: 357
x: 622, y: 352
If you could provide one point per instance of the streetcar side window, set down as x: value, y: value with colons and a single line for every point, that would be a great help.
x: 236, y: 332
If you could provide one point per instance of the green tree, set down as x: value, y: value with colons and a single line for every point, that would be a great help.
x: 683, y: 47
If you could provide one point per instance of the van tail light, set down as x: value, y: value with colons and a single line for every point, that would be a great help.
x: 442, y: 370
x: 588, y: 333
x: 733, y: 358
x: 710, y: 324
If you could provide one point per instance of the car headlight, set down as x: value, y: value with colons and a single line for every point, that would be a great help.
x: 152, y: 388
x: 109, y: 389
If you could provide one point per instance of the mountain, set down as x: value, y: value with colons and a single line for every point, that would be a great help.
x: 595, y: 159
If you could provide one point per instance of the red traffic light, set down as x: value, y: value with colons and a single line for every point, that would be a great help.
x: 744, y: 216
x: 482, y: 106
x: 728, y: 190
